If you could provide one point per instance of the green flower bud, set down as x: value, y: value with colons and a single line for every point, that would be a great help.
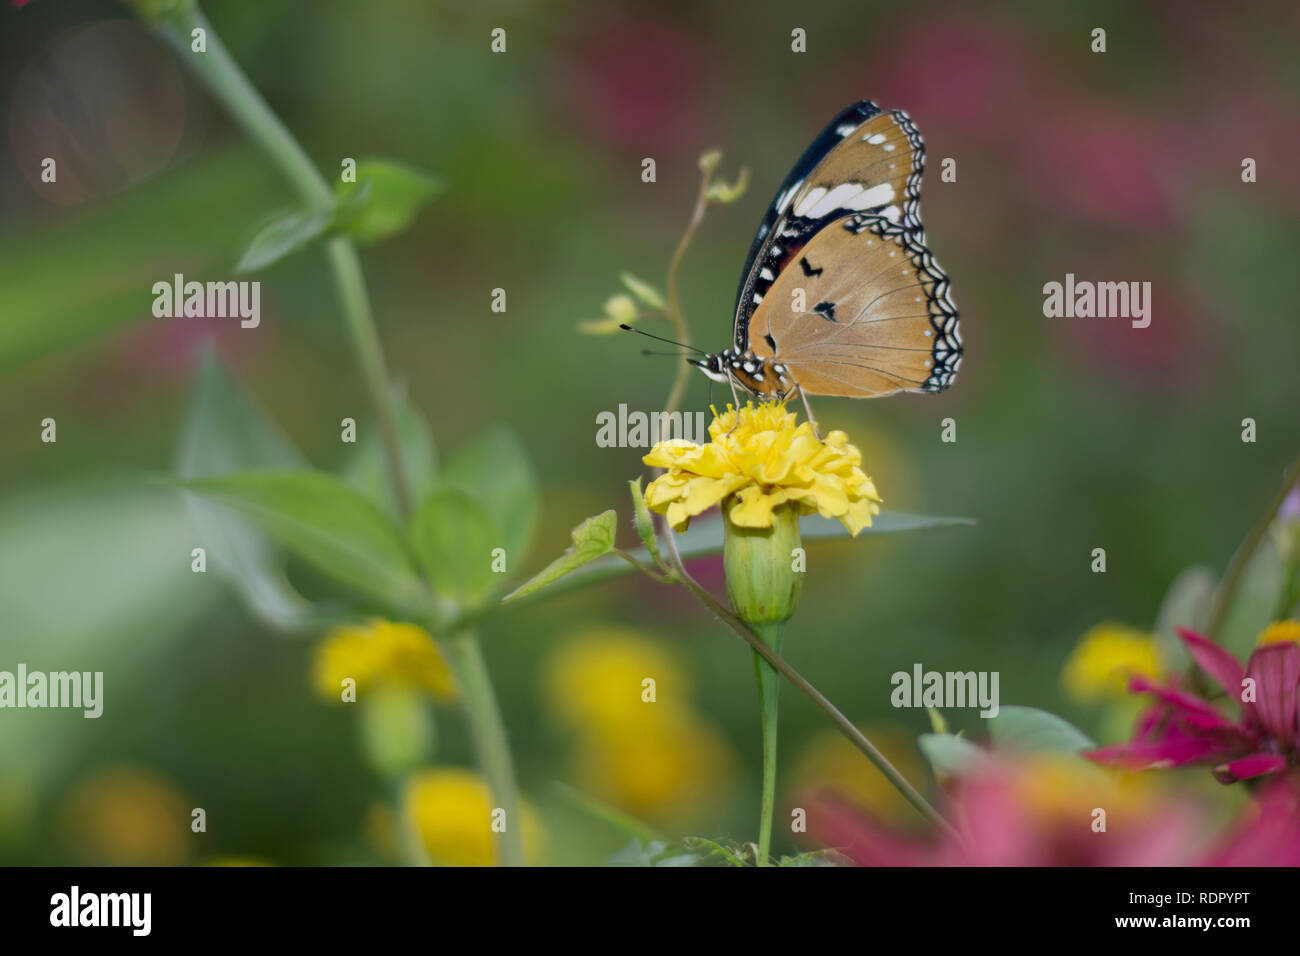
x: 759, y: 563
x: 397, y: 730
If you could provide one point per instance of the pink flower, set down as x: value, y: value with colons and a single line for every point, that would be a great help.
x: 1027, y: 813
x: 1268, y: 834
x: 1038, y: 811
x: 1182, y: 728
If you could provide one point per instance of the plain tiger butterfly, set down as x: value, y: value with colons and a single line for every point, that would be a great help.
x: 839, y: 294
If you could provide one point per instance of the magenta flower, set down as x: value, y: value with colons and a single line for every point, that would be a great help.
x: 1040, y: 811
x: 1263, y: 737
x: 1269, y: 832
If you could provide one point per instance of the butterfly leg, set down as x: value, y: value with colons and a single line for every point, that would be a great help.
x: 735, y: 398
x: 811, y: 420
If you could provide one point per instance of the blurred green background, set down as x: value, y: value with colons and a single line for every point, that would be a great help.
x: 1072, y: 433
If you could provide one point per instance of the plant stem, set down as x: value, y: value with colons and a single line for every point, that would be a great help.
x: 674, y: 311
x: 1232, y: 579
x: 855, y: 736
x: 769, y: 691
x: 490, y: 743
x: 227, y: 82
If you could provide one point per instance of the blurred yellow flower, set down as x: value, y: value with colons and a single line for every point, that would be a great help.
x: 1061, y: 786
x: 639, y: 746
x: 1105, y: 658
x: 381, y: 653
x: 668, y: 764
x: 453, y: 812
x: 765, y: 462
x: 829, y: 760
x: 1280, y: 632
x: 596, y: 679
x: 128, y: 816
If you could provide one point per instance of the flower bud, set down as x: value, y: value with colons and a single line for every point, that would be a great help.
x: 759, y: 563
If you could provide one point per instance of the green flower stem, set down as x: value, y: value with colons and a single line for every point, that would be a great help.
x: 224, y: 79
x: 489, y: 734
x: 674, y: 311
x: 219, y: 72
x: 1237, y: 567
x: 769, y: 690
x: 845, y: 726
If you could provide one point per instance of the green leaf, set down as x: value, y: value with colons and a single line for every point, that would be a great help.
x: 705, y: 537
x: 283, y: 234
x: 225, y: 433
x: 367, y: 468
x: 496, y: 471
x: 1186, y: 604
x: 453, y: 536
x: 397, y: 192
x: 645, y: 525
x: 723, y: 192
x: 117, y: 247
x: 94, y: 576
x: 328, y: 524
x: 648, y: 294
x: 620, y: 310
x: 950, y: 755
x: 1252, y: 605
x: 1028, y: 728
x: 591, y: 539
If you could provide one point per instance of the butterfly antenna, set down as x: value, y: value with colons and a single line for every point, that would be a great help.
x: 658, y: 338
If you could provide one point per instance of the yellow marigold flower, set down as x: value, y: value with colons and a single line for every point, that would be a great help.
x: 452, y: 811
x: 766, y: 461
x: 1105, y: 658
x: 381, y: 653
x: 1280, y: 632
x: 596, y: 679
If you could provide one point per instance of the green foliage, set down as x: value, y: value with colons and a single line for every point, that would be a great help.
x: 702, y: 851
x: 225, y: 434
x: 281, y: 235
x: 367, y: 468
x: 453, y: 536
x: 591, y: 539
x: 393, y: 193
x: 1028, y: 728
x: 381, y: 203
x: 704, y: 537
x: 620, y: 310
x: 328, y: 524
x: 649, y: 296
x: 494, y: 469
x: 950, y: 755
x: 645, y: 525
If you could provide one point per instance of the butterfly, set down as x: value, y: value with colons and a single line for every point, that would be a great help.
x: 840, y: 295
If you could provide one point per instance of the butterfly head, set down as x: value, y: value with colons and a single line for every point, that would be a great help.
x: 755, y: 374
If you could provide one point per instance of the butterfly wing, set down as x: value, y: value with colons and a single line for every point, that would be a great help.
x: 864, y: 161
x: 876, y: 317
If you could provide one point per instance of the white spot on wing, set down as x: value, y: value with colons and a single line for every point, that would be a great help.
x: 875, y: 139
x: 853, y: 196
x: 787, y: 196
x: 809, y: 201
